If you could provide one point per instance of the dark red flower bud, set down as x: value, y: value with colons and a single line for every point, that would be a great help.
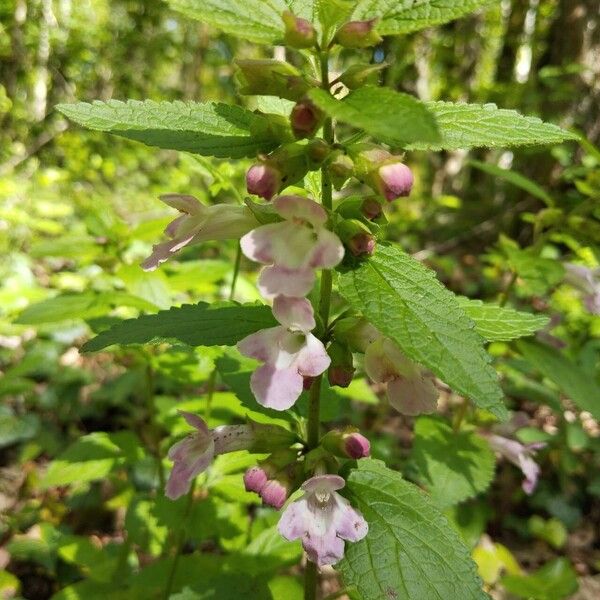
x: 305, y: 119
x: 362, y: 244
x: 299, y: 33
x: 263, y: 180
x: 356, y: 445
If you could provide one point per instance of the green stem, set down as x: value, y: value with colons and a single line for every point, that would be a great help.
x: 310, y: 581
x: 151, y: 408
x: 236, y: 272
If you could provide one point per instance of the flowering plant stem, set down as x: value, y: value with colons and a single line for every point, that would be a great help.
x: 314, y: 406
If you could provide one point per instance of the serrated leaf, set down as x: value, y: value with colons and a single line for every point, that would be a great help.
x: 404, y: 16
x: 255, y: 20
x: 390, y: 116
x: 210, y: 129
x: 411, y: 551
x: 454, y: 465
x: 193, y: 324
x: 574, y: 381
x: 485, y: 125
x: 406, y: 302
x: 499, y: 323
x: 92, y: 457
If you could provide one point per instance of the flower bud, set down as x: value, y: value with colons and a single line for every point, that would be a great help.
x: 356, y: 237
x: 358, y: 34
x: 340, y: 376
x: 394, y: 180
x: 357, y: 445
x: 274, y: 494
x: 305, y: 119
x: 272, y: 78
x: 356, y: 332
x: 348, y: 443
x: 341, y: 167
x: 371, y: 208
x: 299, y: 33
x: 359, y: 75
x: 263, y: 180
x: 255, y: 479
x: 341, y: 371
x: 318, y: 150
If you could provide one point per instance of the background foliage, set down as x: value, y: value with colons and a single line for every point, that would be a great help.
x: 83, y: 436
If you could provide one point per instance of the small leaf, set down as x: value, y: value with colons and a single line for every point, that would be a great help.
x: 405, y: 301
x: 554, y: 581
x: 574, y: 381
x: 92, y: 457
x: 498, y: 323
x: 210, y: 129
x: 406, y: 16
x: 411, y: 551
x: 193, y: 324
x: 485, y: 125
x: 454, y: 465
x: 390, y: 116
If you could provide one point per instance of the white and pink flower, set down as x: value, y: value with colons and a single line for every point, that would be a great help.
x: 294, y: 248
x: 409, y: 390
x: 322, y: 520
x: 289, y: 353
x: 198, y: 223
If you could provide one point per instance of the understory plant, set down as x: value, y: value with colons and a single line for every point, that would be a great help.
x: 330, y: 153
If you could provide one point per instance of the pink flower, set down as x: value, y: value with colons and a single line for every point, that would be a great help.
x: 588, y: 281
x: 408, y: 390
x: 198, y: 223
x: 289, y: 353
x: 323, y: 519
x: 255, y: 479
x: 274, y: 493
x: 263, y: 180
x: 293, y: 248
x: 393, y: 180
x: 356, y: 445
x: 195, y: 453
x: 520, y: 455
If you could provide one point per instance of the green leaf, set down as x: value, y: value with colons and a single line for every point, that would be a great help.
x: 554, y: 581
x: 498, y: 323
x: 574, y: 381
x: 536, y: 274
x: 15, y: 428
x: 405, y: 301
x: 486, y: 125
x: 210, y: 129
x: 193, y: 324
x: 92, y: 457
x: 88, y: 305
x: 255, y: 20
x: 411, y: 550
x: 454, y: 465
x: 404, y: 16
x: 518, y: 180
x: 390, y: 116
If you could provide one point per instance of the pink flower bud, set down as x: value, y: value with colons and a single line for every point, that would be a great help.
x: 371, y: 208
x: 394, y: 180
x: 299, y: 33
x: 362, y: 244
x: 263, y: 180
x: 274, y: 494
x: 358, y: 34
x: 357, y: 445
x: 340, y: 375
x: 305, y: 119
x: 255, y: 479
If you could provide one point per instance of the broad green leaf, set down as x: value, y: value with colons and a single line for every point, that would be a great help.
x: 210, y: 129
x: 405, y: 301
x: 554, y: 581
x: 92, y: 457
x: 454, y: 465
x: 87, y: 305
x: 94, y: 561
x: 390, y: 116
x: 255, y: 20
x: 518, y: 180
x: 404, y: 16
x: 485, y: 125
x: 574, y: 381
x: 536, y: 274
x: 193, y: 324
x: 498, y: 323
x: 411, y: 550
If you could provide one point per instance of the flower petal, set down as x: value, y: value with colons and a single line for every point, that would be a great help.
x: 323, y: 482
x: 412, y: 396
x: 257, y: 244
x: 323, y: 548
x: 292, y: 523
x: 327, y: 252
x: 278, y: 280
x: 162, y: 252
x: 264, y: 345
x: 195, y: 421
x: 348, y: 522
x: 184, y: 203
x: 276, y: 388
x: 312, y: 360
x: 299, y: 208
x: 296, y: 314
